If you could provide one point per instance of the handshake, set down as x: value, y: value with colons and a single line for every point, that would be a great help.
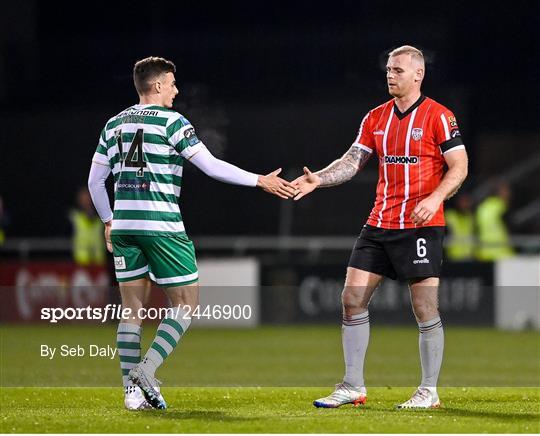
x: 299, y: 187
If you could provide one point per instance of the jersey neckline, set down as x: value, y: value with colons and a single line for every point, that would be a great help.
x: 402, y: 115
x: 151, y: 105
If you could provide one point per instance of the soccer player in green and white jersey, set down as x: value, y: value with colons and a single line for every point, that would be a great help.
x: 145, y: 146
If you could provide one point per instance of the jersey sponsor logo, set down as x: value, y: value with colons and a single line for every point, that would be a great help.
x: 378, y: 132
x: 417, y: 133
x: 139, y: 112
x: 133, y: 185
x: 424, y: 260
x: 190, y: 136
x: 455, y: 133
x: 119, y: 262
x: 401, y: 160
x: 452, y: 121
x: 132, y: 119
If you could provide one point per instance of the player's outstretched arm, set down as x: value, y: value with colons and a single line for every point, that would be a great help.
x: 225, y: 172
x: 338, y: 172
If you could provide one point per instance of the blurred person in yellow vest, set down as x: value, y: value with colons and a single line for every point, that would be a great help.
x: 493, y: 238
x: 88, y: 243
x: 460, y: 224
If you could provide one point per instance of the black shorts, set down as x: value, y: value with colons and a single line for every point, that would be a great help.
x: 399, y: 253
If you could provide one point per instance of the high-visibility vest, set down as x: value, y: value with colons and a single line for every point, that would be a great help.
x: 460, y: 243
x: 493, y: 238
x: 88, y: 239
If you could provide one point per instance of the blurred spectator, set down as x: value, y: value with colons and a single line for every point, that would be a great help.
x: 88, y: 239
x: 460, y: 225
x: 493, y: 238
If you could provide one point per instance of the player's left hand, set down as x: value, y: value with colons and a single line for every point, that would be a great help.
x: 424, y: 211
x: 108, y: 243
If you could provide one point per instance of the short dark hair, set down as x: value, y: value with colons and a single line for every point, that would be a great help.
x: 148, y: 69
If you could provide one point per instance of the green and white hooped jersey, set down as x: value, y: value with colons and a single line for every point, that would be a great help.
x: 145, y: 146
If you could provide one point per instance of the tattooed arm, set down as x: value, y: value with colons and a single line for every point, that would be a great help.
x: 338, y: 172
x: 344, y: 169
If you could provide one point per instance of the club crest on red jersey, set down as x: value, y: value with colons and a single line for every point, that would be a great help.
x: 417, y: 133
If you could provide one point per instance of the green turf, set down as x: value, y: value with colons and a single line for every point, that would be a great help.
x: 267, y: 410
x: 274, y: 356
x: 209, y: 382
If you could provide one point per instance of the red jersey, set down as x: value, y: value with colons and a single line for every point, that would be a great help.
x: 410, y: 147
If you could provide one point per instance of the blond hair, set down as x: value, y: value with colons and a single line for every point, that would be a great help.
x: 416, y: 54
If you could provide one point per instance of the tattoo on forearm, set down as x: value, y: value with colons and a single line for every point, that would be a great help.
x: 344, y: 169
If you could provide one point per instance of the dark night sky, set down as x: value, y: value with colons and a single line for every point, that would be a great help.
x: 275, y: 84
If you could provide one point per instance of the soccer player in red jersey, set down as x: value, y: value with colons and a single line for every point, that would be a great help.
x: 414, y: 137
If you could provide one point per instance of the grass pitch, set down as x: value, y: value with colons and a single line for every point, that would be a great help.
x: 489, y: 383
x: 267, y: 410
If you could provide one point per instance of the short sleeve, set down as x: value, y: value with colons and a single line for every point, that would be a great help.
x: 100, y: 155
x: 364, y: 139
x: 447, y: 135
x: 181, y: 135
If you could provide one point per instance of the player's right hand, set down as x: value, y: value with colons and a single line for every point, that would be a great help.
x: 108, y: 243
x: 306, y: 183
x: 273, y: 184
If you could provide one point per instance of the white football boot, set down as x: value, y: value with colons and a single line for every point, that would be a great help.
x: 134, y: 399
x: 148, y: 385
x: 344, y: 393
x: 423, y: 398
x: 158, y: 390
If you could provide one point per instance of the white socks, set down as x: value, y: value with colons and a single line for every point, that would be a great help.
x: 431, y: 344
x: 355, y: 338
x: 128, y: 341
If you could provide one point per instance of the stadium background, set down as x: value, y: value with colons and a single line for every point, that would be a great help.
x: 270, y: 85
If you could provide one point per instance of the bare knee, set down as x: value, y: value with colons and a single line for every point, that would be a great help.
x: 184, y: 295
x: 424, y: 311
x: 353, y: 303
x: 130, y: 301
x: 425, y: 298
x: 359, y: 287
x: 354, y: 300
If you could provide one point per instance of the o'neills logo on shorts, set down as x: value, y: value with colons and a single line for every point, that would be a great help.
x: 402, y: 160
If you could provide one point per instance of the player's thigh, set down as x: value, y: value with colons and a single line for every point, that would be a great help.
x: 416, y: 253
x: 130, y: 263
x: 368, y: 264
x: 172, y: 260
x: 369, y: 254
